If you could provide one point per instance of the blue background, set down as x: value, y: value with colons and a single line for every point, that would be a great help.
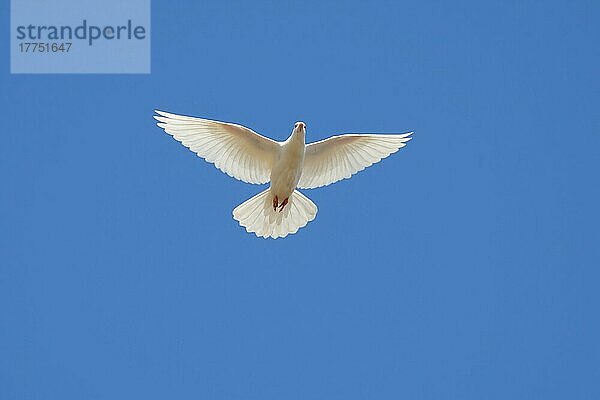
x: 463, y: 267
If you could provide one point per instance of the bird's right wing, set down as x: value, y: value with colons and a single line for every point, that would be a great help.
x: 339, y: 157
x: 236, y: 150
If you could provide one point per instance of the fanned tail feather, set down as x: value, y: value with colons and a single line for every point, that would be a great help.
x: 257, y: 215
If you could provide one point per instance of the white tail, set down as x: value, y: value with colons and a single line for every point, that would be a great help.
x: 257, y: 215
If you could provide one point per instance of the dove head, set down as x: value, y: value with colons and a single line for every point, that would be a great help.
x: 299, y: 127
x: 299, y: 131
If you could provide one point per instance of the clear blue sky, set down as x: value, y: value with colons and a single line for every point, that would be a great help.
x: 463, y: 267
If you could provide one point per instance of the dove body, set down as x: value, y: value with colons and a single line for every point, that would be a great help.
x: 287, y: 170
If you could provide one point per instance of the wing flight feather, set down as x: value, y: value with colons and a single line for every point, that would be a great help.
x: 339, y: 157
x: 236, y: 150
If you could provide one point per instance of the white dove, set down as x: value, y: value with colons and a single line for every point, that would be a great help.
x: 245, y: 155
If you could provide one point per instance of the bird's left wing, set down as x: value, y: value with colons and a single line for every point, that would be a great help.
x: 234, y: 149
x: 339, y: 157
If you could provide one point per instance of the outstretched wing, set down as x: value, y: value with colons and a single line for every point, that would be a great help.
x: 236, y: 150
x: 339, y: 157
